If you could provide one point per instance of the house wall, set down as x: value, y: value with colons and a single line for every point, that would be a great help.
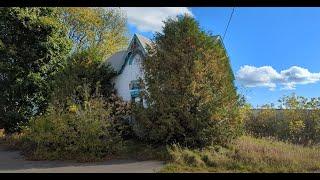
x: 130, y: 72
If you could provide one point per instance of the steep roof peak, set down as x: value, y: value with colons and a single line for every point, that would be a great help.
x: 143, y: 40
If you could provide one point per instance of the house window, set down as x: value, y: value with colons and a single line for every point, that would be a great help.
x: 135, y: 84
x: 135, y: 88
x: 131, y: 59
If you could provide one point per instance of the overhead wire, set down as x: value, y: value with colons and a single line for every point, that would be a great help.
x: 225, y: 32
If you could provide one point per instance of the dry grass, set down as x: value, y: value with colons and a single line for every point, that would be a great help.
x: 274, y: 156
x: 2, y: 135
x: 134, y: 149
x: 247, y: 154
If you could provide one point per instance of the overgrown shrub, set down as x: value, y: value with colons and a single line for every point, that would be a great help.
x: 121, y: 115
x: 296, y: 120
x: 81, y: 75
x: 263, y: 123
x: 84, y: 133
x: 82, y: 69
x: 34, y: 45
x: 85, y: 120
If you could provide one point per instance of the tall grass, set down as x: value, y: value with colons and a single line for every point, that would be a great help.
x: 2, y: 134
x: 247, y: 154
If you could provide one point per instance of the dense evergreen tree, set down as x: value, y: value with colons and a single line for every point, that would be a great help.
x: 34, y: 45
x: 190, y: 92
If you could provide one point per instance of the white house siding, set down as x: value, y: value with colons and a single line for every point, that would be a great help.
x: 130, y: 72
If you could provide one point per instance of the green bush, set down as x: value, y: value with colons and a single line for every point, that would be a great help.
x: 190, y: 91
x: 81, y: 123
x: 263, y: 123
x: 83, y: 69
x: 84, y: 133
x: 121, y: 116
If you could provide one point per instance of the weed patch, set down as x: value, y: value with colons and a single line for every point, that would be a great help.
x: 246, y: 154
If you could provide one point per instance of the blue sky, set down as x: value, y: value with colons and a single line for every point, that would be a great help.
x: 273, y: 51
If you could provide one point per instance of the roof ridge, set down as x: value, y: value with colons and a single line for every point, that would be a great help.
x: 142, y: 37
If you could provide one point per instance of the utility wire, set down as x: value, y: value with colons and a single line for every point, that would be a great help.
x: 225, y: 32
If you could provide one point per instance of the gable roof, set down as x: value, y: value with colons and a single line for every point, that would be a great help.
x: 117, y: 60
x: 144, y: 41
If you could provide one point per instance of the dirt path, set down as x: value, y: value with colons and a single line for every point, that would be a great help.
x: 12, y: 161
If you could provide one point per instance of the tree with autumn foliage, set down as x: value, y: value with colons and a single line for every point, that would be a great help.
x: 190, y: 91
x: 96, y: 33
x: 100, y: 30
x: 48, y: 53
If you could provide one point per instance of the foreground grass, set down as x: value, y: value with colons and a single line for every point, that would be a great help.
x: 247, y: 154
x: 2, y: 135
x: 140, y: 151
x: 130, y: 149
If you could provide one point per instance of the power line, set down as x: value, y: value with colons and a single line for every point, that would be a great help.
x: 225, y: 32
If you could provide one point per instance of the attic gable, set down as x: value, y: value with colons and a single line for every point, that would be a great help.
x: 119, y: 59
x: 139, y: 42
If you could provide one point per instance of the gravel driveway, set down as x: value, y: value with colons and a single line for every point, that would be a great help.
x: 12, y: 161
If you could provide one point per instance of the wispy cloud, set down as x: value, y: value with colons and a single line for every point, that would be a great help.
x: 150, y: 19
x: 266, y: 76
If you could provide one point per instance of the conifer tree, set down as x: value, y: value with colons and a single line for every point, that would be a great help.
x: 190, y: 91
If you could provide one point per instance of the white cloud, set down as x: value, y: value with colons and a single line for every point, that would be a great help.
x: 266, y: 76
x: 150, y: 19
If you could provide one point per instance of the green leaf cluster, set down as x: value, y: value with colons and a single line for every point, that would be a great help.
x: 34, y: 46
